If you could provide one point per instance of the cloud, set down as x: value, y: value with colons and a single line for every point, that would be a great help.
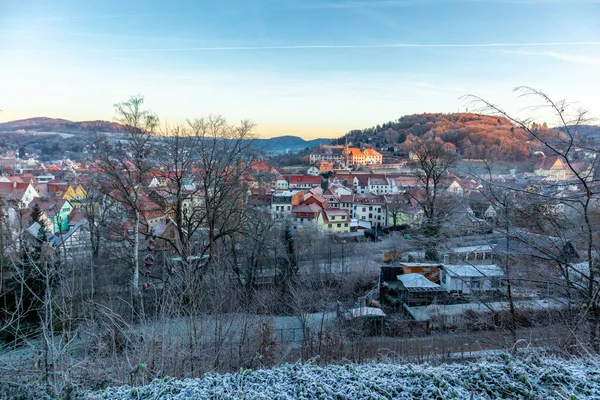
x: 573, y: 58
x: 350, y: 4
x: 72, y: 17
x: 311, y: 47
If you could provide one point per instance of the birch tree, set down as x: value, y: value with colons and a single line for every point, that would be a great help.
x: 125, y: 169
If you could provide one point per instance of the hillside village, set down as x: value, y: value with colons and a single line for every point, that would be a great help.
x: 344, y: 192
x: 399, y: 245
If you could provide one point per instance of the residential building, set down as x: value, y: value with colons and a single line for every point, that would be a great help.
x: 370, y: 208
x: 283, y: 202
x: 552, y: 167
x: 22, y: 194
x: 334, y: 154
x: 334, y: 220
x: 300, y: 182
x: 281, y: 183
x: 305, y: 216
x: 313, y: 171
x: 466, y: 279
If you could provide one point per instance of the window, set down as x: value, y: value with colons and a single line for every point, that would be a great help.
x: 330, y: 226
x: 339, y: 225
x: 475, y: 284
x: 364, y: 209
x: 346, y: 225
x: 289, y: 208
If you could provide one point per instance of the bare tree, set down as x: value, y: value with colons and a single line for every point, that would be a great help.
x: 433, y: 162
x: 564, y: 142
x: 125, y: 170
x: 221, y: 171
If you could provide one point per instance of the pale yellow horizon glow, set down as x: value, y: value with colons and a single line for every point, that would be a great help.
x: 263, y: 131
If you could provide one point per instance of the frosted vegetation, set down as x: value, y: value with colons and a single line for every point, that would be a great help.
x: 532, y: 377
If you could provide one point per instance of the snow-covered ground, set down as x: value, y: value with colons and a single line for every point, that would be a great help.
x: 531, y: 377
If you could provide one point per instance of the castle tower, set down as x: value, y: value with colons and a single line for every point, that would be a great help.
x: 346, y: 151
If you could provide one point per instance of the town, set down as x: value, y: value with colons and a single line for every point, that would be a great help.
x: 196, y: 231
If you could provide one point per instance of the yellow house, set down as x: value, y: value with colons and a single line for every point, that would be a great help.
x: 552, y: 167
x: 334, y: 220
x: 78, y: 193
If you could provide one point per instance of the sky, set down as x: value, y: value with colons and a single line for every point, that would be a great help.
x: 310, y: 68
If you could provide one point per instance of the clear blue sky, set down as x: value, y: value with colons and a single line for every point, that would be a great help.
x: 304, y: 67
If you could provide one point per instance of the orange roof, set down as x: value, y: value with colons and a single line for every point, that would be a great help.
x: 371, y: 152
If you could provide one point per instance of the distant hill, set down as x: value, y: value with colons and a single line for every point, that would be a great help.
x: 280, y: 144
x: 292, y: 144
x: 43, y: 124
x: 589, y: 131
x: 471, y: 135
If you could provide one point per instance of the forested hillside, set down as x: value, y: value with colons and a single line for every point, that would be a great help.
x: 471, y: 135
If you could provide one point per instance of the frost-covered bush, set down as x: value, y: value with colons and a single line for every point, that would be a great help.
x: 500, y: 377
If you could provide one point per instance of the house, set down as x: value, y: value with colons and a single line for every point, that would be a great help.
x: 305, y: 216
x: 334, y: 220
x: 332, y: 198
x: 281, y: 183
x: 405, y: 183
x: 314, y: 198
x: 334, y: 154
x: 324, y: 166
x: 370, y: 208
x: 467, y: 279
x: 75, y: 193
x: 552, y: 167
x: 378, y: 184
x: 60, y: 216
x: 455, y: 188
x: 313, y: 171
x: 401, y: 210
x: 166, y: 233
x: 72, y: 242
x: 21, y: 193
x: 283, y: 202
x: 300, y: 182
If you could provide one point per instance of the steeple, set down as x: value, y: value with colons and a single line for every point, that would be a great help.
x: 346, y: 151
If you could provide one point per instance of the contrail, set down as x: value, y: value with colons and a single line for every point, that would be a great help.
x: 316, y: 47
x: 366, y: 46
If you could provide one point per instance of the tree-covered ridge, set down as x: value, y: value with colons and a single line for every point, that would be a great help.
x: 471, y: 135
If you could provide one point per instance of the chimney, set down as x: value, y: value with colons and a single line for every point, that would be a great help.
x: 14, y: 184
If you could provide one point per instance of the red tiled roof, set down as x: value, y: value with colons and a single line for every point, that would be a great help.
x: 306, y: 209
x: 371, y: 152
x: 13, y: 187
x: 304, y: 179
x: 336, y: 212
x: 260, y: 166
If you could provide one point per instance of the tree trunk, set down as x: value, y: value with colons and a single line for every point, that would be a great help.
x: 135, y: 281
